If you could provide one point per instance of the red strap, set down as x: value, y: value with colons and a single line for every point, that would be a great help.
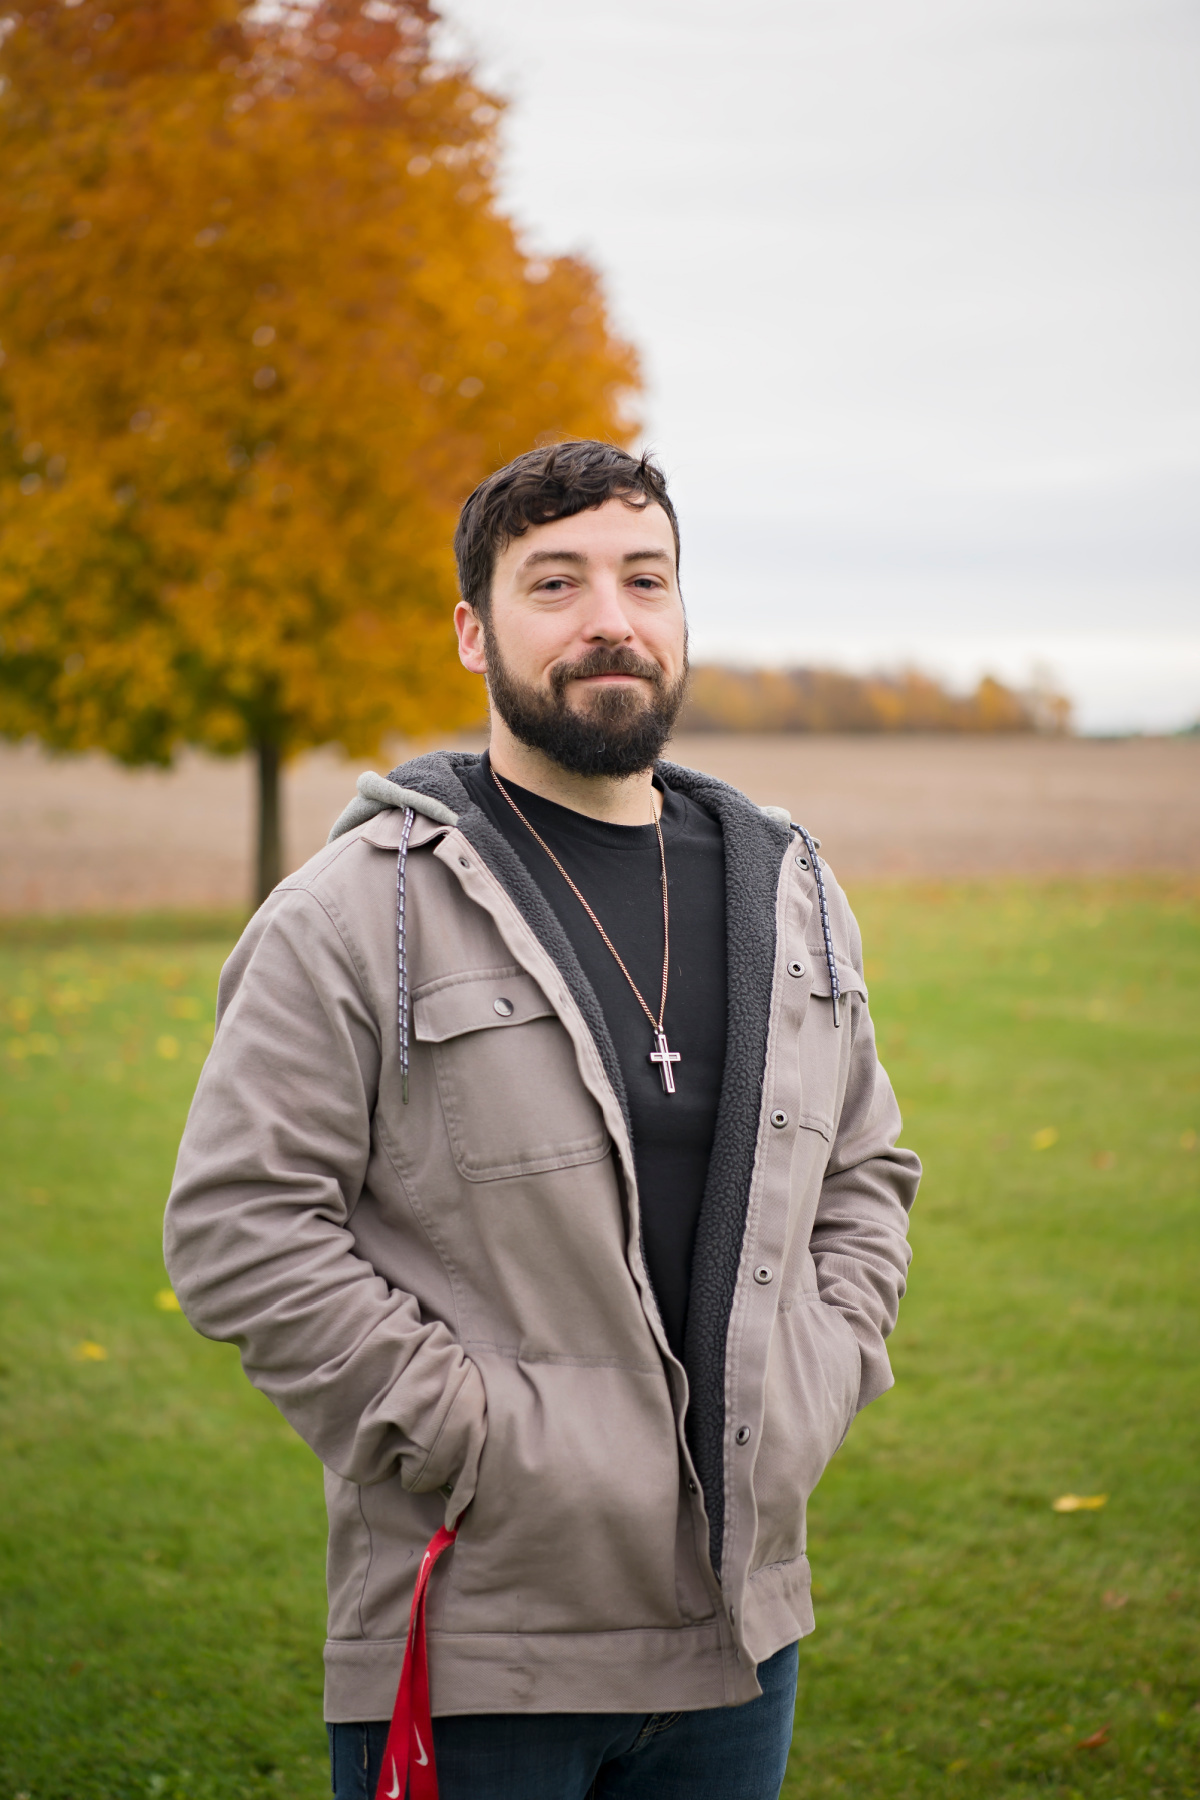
x: 408, y: 1765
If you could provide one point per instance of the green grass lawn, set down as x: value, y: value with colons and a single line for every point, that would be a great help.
x: 162, y: 1530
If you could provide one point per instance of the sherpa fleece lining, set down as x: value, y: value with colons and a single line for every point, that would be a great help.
x: 754, y: 847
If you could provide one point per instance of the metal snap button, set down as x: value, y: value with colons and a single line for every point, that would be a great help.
x: 779, y: 1118
x: 463, y: 863
x: 795, y: 968
x: 802, y: 862
x: 504, y: 1007
x: 762, y: 1275
x: 742, y: 1435
x: 692, y: 1488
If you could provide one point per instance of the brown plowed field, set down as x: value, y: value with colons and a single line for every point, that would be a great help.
x: 79, y: 834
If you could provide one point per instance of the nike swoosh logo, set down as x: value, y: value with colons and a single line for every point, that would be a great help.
x: 393, y: 1792
x: 422, y: 1760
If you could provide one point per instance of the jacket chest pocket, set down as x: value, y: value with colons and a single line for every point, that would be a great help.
x: 511, y: 1094
x: 824, y: 1048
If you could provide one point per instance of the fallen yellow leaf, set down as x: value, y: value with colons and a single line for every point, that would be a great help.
x: 168, y: 1048
x: 1097, y: 1738
x: 1079, y: 1502
x: 167, y: 1300
x: 89, y: 1352
x: 1045, y: 1138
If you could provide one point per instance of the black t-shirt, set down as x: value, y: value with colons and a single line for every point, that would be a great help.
x: 617, y: 869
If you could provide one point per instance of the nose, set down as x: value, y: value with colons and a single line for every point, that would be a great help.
x: 607, y: 622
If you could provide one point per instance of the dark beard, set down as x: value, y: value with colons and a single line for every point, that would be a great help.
x: 619, y: 734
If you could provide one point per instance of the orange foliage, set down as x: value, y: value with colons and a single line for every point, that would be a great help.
x: 263, y: 329
x: 722, y: 699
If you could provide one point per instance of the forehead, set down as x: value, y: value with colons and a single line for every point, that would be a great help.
x: 601, y: 533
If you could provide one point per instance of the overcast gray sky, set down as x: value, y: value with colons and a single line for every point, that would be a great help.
x: 917, y: 284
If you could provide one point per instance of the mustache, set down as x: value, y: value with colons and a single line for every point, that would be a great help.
x: 602, y: 661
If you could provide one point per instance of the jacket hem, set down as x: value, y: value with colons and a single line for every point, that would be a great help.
x: 674, y: 1670
x: 778, y: 1607
x: 687, y: 1668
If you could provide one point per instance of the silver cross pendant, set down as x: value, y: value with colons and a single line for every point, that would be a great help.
x: 664, y: 1056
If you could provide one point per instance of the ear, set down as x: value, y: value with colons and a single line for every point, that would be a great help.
x: 472, y: 638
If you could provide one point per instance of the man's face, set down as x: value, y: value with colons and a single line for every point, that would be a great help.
x: 585, y: 650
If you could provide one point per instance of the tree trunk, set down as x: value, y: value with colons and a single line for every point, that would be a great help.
x: 270, y: 844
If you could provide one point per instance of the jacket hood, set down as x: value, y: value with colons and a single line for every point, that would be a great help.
x: 376, y: 793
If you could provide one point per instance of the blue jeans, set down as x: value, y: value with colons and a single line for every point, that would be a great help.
x: 723, y: 1753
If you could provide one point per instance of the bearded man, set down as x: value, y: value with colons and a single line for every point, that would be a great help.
x: 544, y: 1172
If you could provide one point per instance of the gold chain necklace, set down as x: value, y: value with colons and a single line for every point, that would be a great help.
x: 662, y: 1053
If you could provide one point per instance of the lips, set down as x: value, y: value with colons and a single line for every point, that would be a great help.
x: 599, y: 664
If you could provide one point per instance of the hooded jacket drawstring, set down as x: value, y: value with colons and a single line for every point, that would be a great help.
x: 810, y: 844
x: 402, y: 952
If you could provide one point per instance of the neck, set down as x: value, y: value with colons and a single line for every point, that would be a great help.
x: 628, y: 800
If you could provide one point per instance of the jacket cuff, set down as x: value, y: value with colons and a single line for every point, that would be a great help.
x: 877, y: 1375
x: 452, y: 1466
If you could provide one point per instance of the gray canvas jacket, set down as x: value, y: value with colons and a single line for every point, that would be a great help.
x: 447, y: 1298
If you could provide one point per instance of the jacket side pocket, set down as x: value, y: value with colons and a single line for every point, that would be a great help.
x: 813, y: 1375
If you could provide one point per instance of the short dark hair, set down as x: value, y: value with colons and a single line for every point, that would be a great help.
x: 553, y: 482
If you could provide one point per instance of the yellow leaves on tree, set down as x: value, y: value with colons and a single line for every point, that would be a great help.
x: 263, y: 329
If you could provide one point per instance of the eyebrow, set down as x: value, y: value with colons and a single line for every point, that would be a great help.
x: 577, y: 556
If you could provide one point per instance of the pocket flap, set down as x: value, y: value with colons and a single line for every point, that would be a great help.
x: 478, y: 1001
x: 849, y: 979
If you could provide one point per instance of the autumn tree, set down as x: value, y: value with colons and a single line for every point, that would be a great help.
x: 263, y: 328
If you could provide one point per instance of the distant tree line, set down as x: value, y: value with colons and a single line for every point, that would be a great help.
x: 726, y: 699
